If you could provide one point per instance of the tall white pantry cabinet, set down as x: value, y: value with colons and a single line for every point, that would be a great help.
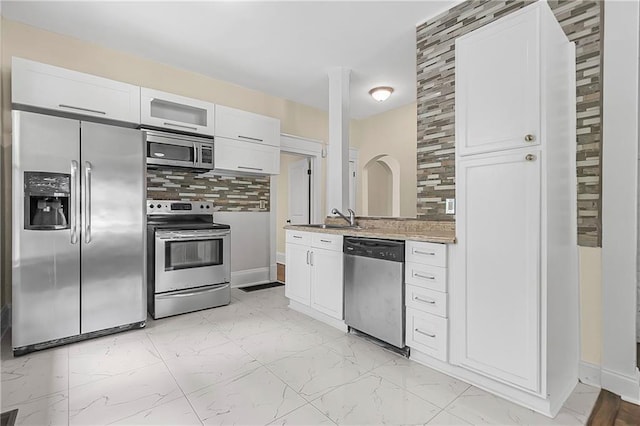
x: 514, y: 295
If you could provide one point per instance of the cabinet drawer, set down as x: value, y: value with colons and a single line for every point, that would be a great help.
x: 249, y: 127
x: 246, y: 157
x: 429, y: 301
x: 427, y: 333
x: 174, y: 112
x: 298, y: 237
x: 59, y: 89
x: 327, y: 241
x: 426, y: 253
x: 426, y: 276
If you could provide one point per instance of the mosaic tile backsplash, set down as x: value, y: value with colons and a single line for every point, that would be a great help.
x: 228, y: 193
x: 581, y: 21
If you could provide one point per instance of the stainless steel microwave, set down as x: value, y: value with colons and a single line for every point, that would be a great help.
x: 177, y: 150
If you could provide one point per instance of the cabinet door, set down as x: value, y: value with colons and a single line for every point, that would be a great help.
x: 71, y: 92
x: 498, y: 86
x: 297, y: 273
x: 496, y: 299
x: 174, y: 112
x: 242, y: 125
x: 327, y: 282
x: 246, y: 157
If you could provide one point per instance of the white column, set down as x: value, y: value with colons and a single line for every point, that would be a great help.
x: 338, y: 149
x: 620, y: 198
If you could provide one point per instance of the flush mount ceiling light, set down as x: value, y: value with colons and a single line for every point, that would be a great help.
x: 381, y: 93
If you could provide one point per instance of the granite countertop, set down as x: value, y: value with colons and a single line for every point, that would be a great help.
x: 392, y: 229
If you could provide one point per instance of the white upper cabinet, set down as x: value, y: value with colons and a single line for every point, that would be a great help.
x: 498, y: 86
x: 38, y: 85
x: 246, y: 126
x: 245, y: 157
x: 174, y: 112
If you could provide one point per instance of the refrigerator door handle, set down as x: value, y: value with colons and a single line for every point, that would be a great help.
x: 87, y: 202
x: 74, y: 202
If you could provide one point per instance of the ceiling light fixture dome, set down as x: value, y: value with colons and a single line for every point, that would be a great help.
x: 381, y: 93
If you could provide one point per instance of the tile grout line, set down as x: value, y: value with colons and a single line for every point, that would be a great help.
x: 176, y: 382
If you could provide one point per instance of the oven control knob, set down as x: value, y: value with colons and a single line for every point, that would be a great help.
x: 201, y: 206
x: 207, y: 206
x: 151, y: 205
x: 159, y: 205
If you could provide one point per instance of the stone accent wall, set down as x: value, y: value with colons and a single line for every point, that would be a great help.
x: 228, y: 193
x: 581, y: 21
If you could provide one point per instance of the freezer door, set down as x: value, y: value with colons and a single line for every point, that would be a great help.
x: 46, y: 263
x: 113, y: 227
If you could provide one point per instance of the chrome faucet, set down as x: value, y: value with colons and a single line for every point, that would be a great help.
x: 351, y: 219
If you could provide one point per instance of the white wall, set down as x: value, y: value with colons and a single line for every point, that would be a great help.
x: 619, y: 195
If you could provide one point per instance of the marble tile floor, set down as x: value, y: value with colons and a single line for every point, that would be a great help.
x: 254, y: 362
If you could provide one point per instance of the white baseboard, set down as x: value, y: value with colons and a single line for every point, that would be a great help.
x: 250, y: 277
x: 627, y: 387
x: 5, y: 319
x: 590, y: 374
x: 280, y: 257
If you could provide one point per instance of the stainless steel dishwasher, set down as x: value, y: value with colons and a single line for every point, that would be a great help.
x: 374, y: 288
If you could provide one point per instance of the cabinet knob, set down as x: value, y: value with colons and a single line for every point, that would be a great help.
x: 529, y: 138
x: 530, y: 157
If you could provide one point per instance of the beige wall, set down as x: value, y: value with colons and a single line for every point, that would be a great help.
x: 39, y: 45
x: 591, y: 304
x: 392, y: 133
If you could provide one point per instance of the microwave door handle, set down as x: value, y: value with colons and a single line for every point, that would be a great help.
x: 195, y: 153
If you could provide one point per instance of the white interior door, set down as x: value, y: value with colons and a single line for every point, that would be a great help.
x: 299, y: 179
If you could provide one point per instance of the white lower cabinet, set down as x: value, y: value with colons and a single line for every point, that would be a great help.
x: 314, y: 271
x: 426, y: 298
x: 298, y: 273
x: 427, y: 333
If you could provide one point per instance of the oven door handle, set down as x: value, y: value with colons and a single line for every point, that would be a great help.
x: 190, y: 292
x: 193, y: 238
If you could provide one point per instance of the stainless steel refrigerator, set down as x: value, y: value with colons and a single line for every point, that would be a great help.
x: 78, y: 248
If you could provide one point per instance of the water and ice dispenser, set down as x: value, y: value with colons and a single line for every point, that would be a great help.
x: 46, y: 200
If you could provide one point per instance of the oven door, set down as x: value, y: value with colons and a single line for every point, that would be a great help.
x: 191, y: 258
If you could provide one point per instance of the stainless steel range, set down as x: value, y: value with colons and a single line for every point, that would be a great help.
x: 188, y: 258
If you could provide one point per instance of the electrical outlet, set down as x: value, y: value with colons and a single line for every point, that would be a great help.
x: 450, y: 206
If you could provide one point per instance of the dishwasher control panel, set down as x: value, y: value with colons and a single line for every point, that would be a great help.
x: 375, y: 248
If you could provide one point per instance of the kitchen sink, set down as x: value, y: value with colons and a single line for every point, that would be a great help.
x: 329, y: 226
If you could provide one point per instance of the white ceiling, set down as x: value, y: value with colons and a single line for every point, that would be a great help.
x: 281, y: 48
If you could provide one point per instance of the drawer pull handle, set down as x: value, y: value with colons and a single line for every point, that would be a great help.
x: 426, y: 277
x: 250, y: 168
x: 250, y: 138
x: 424, y: 333
x: 426, y: 253
x: 325, y: 241
x: 195, y: 129
x: 307, y: 257
x: 431, y: 302
x: 297, y: 236
x: 95, y: 111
